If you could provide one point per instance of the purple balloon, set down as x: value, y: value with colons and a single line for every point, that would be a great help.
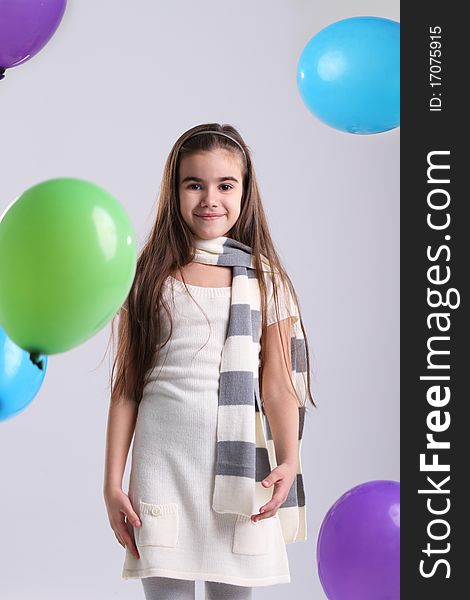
x: 358, y: 549
x: 25, y: 27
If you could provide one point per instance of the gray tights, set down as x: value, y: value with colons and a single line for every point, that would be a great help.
x: 167, y: 588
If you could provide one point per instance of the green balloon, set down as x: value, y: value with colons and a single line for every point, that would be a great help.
x: 67, y: 263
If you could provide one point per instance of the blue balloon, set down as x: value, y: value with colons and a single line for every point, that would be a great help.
x: 349, y: 75
x: 21, y: 376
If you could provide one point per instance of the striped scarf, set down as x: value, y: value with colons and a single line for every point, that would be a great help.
x: 245, y: 448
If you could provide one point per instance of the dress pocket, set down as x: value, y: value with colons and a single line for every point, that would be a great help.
x: 160, y: 524
x: 252, y: 537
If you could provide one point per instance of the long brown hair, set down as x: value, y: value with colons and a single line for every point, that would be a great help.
x: 169, y: 247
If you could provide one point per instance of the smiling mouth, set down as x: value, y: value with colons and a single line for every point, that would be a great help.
x: 209, y: 217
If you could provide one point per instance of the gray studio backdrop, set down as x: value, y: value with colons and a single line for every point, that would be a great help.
x: 104, y: 101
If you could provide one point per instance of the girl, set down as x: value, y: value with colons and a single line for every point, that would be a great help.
x: 212, y: 380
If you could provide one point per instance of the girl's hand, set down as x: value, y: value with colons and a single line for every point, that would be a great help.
x: 282, y: 477
x: 119, y: 507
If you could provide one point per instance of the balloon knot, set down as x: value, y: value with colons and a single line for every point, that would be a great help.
x: 34, y: 357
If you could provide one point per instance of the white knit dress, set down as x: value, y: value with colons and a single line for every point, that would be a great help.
x: 173, y: 460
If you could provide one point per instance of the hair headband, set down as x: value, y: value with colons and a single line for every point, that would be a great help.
x: 220, y: 133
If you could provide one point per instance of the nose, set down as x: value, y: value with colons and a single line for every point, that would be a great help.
x: 210, y: 197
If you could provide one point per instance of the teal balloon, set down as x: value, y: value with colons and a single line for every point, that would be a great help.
x: 20, y: 377
x: 348, y: 75
x: 67, y: 263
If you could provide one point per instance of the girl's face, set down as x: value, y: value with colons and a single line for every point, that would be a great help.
x: 210, y: 183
